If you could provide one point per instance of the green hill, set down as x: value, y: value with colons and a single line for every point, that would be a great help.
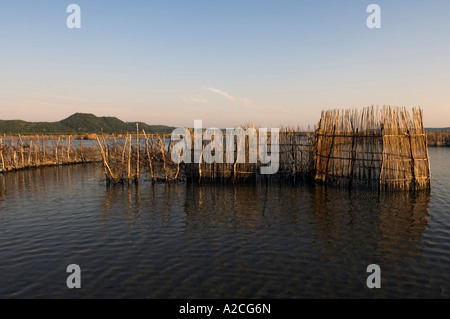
x: 79, y: 123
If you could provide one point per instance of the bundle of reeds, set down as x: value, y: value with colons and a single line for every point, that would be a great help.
x: 377, y: 147
x: 129, y: 158
x: 383, y: 147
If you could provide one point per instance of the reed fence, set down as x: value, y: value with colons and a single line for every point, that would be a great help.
x: 20, y: 152
x: 135, y: 156
x: 376, y: 147
x: 384, y: 148
x: 295, y: 160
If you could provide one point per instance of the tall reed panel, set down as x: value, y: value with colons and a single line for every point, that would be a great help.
x: 377, y: 147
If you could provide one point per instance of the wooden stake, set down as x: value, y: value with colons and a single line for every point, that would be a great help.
x: 129, y: 159
x: 137, y: 153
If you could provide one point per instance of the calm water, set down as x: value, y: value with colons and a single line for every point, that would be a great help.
x: 181, y: 241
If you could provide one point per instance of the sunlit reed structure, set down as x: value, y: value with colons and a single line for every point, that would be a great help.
x: 22, y: 152
x: 384, y: 148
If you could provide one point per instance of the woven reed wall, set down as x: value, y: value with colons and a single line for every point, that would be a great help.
x: 377, y: 147
x: 384, y: 148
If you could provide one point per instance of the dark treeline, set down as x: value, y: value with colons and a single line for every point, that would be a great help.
x: 438, y: 138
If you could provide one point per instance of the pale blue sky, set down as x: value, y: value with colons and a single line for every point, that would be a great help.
x: 224, y: 62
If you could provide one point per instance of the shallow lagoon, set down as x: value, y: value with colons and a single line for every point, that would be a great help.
x: 243, y: 241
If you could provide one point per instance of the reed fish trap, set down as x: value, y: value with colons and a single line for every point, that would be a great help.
x: 377, y: 147
x: 382, y: 148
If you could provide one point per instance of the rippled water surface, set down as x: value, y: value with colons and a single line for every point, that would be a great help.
x: 185, y: 241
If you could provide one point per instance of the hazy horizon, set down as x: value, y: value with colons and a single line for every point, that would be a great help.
x: 223, y: 127
x: 226, y: 63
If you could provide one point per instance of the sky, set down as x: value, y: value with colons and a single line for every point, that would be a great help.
x: 223, y: 62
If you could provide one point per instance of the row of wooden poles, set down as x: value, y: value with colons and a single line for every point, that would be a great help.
x: 148, y: 156
x: 376, y: 147
x: 295, y: 160
x: 383, y: 147
x: 20, y: 152
x: 125, y: 159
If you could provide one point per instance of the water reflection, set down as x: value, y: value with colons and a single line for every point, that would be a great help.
x: 208, y: 206
x: 156, y: 203
x: 125, y: 200
x: 324, y: 238
x: 268, y: 241
x: 342, y: 224
x: 403, y: 220
x: 41, y: 180
x: 381, y: 227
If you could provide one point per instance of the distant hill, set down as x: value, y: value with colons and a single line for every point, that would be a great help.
x: 79, y: 123
x: 437, y: 129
